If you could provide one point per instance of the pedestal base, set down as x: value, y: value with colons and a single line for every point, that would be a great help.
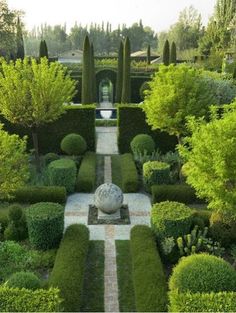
x: 109, y: 217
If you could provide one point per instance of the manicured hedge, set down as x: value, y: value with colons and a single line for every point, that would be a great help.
x: 25, y: 300
x: 77, y: 119
x: 179, y: 193
x: 86, y: 178
x: 131, y: 122
x: 68, y: 270
x: 34, y: 194
x: 149, y: 279
x: 129, y: 173
x: 202, y: 302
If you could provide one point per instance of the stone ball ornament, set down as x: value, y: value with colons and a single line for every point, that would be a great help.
x: 108, y: 198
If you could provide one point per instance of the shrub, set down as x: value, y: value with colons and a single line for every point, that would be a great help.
x: 202, y: 302
x: 202, y: 218
x: 23, y: 300
x: 35, y: 194
x: 148, y: 275
x: 155, y: 172
x: 179, y: 193
x: 142, y: 143
x: 26, y: 280
x: 17, y: 227
x: 86, y: 178
x: 223, y: 227
x: 68, y: 270
x: 129, y: 173
x: 45, y: 224
x: 50, y: 157
x: 73, y: 144
x: 203, y: 273
x: 63, y: 173
x: 171, y: 219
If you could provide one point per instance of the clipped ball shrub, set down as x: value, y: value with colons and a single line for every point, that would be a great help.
x: 73, y: 144
x: 155, y: 172
x: 142, y: 143
x: 203, y: 273
x: 45, y: 224
x: 223, y: 227
x: 26, y: 280
x: 50, y: 157
x: 17, y: 227
x: 171, y: 219
x: 63, y: 173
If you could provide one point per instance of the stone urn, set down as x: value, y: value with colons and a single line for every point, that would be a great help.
x: 108, y: 198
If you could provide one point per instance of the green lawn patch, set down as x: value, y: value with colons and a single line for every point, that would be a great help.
x: 124, y: 276
x: 116, y: 170
x: 99, y: 170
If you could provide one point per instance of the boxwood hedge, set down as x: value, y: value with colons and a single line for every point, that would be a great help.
x: 86, y: 178
x: 129, y: 173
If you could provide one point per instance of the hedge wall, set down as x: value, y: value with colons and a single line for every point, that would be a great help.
x: 131, y: 122
x: 77, y: 119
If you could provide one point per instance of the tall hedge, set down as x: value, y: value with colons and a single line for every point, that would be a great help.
x: 131, y: 122
x: 126, y: 86
x: 77, y: 119
x: 86, y: 73
x: 119, y: 80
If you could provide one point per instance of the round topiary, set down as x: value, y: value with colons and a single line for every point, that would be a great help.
x: 203, y: 273
x: 223, y: 227
x: 142, y: 143
x: 45, y: 224
x: 49, y: 157
x: 15, y: 212
x: 171, y: 219
x: 26, y: 280
x: 73, y: 144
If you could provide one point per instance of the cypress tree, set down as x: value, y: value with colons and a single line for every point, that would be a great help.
x: 166, y: 53
x: 173, y: 53
x: 119, y: 79
x: 148, y: 55
x: 43, y: 49
x: 86, y: 72
x: 20, y: 50
x: 93, y: 76
x: 125, y: 98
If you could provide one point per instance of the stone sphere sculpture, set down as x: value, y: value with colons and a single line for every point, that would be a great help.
x: 108, y: 198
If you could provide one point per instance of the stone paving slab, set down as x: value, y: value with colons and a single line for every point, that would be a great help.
x: 106, y: 140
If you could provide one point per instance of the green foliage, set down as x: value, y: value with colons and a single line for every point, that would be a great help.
x: 14, y: 170
x: 137, y: 125
x: 86, y: 178
x: 86, y: 73
x: 119, y: 80
x: 17, y: 228
x: 45, y: 222
x: 143, y: 90
x: 49, y: 157
x: 43, y: 50
x: 173, y: 53
x: 68, y: 270
x: 142, y: 143
x: 166, y: 53
x: 73, y: 144
x: 203, y: 273
x: 148, y: 55
x: 23, y: 300
x: 63, y: 173
x: 176, y: 93
x: 26, y: 280
x: 171, y: 219
x: 20, y: 51
x: 129, y: 173
x: 148, y: 275
x: 202, y: 302
x: 223, y: 227
x: 126, y: 86
x: 155, y: 172
x: 179, y: 193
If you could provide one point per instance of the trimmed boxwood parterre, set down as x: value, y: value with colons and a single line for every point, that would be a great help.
x: 86, y: 178
x: 149, y: 279
x: 129, y: 173
x: 45, y: 222
x: 69, y: 266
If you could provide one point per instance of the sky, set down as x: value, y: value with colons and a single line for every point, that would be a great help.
x: 159, y: 14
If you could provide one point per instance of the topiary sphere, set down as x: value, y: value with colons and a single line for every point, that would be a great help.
x: 15, y: 212
x: 50, y: 157
x: 203, y: 273
x: 26, y: 280
x: 142, y: 143
x: 73, y: 144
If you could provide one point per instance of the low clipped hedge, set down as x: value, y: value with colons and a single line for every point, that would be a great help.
x: 68, y: 270
x: 129, y: 173
x: 63, y: 173
x: 45, y: 222
x: 179, y: 193
x: 171, y: 219
x: 202, y: 302
x: 34, y: 194
x: 26, y: 280
x: 149, y: 279
x: 25, y: 300
x: 155, y: 172
x: 86, y: 178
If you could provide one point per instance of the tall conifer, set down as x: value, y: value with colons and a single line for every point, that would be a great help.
x: 119, y: 79
x: 20, y: 50
x: 86, y: 73
x: 166, y: 53
x: 93, y: 75
x: 173, y: 53
x: 148, y: 55
x: 126, y: 87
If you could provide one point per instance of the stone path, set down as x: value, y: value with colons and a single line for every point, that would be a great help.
x: 106, y: 140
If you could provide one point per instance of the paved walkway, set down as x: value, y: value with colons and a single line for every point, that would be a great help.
x: 106, y: 140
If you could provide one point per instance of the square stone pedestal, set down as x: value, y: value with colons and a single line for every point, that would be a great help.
x: 109, y: 217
